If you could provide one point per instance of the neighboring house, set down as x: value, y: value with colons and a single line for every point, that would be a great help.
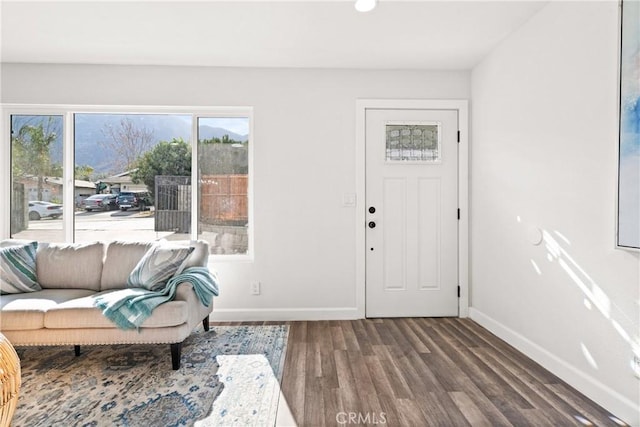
x: 122, y: 182
x: 52, y: 188
x: 82, y: 189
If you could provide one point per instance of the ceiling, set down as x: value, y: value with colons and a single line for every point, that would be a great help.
x: 326, y: 34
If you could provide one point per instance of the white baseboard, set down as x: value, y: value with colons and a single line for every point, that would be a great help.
x: 283, y: 314
x: 609, y: 399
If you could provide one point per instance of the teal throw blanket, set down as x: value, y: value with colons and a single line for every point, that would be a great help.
x: 129, y: 308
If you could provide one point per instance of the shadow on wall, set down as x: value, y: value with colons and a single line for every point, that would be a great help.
x: 595, y: 297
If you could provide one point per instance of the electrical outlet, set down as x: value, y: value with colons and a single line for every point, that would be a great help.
x: 255, y: 288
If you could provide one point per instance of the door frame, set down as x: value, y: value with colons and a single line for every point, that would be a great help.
x: 462, y: 107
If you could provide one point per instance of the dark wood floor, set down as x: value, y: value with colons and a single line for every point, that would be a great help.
x: 422, y: 372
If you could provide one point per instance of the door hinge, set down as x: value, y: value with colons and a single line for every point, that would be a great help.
x: 458, y: 136
x: 458, y: 214
x: 458, y: 291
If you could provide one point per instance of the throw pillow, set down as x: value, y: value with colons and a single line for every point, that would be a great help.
x: 158, y: 265
x: 18, y: 269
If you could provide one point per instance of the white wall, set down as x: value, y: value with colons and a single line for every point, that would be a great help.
x: 304, y: 160
x: 543, y: 166
x: 543, y: 150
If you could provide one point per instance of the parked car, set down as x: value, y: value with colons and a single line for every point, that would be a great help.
x: 103, y: 202
x: 134, y: 199
x: 39, y: 209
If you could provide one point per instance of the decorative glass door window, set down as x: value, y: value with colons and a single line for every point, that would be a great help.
x: 413, y: 142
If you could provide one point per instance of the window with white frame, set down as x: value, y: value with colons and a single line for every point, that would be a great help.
x: 143, y: 176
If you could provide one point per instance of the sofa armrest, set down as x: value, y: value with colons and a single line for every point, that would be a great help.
x: 185, y: 292
x: 203, y: 284
x: 197, y: 312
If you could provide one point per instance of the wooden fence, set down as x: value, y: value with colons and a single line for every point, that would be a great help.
x: 223, y: 199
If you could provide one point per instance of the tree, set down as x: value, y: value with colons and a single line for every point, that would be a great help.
x: 84, y: 172
x: 222, y: 156
x: 31, y: 151
x: 171, y: 158
x: 224, y: 140
x: 126, y: 143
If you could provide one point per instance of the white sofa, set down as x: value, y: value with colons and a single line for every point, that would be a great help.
x: 73, y: 275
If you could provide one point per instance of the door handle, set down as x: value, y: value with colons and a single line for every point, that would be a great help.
x: 372, y: 224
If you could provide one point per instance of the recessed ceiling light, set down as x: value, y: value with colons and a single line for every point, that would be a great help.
x: 365, y: 5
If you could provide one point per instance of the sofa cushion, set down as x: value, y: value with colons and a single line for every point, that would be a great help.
x: 27, y: 311
x: 82, y: 313
x: 120, y: 260
x: 158, y: 265
x: 122, y: 257
x: 70, y: 266
x: 18, y: 269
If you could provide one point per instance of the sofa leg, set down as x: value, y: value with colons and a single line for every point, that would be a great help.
x: 176, y: 350
x: 205, y: 323
x: 76, y: 349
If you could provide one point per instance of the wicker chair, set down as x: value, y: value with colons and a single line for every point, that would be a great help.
x: 9, y: 381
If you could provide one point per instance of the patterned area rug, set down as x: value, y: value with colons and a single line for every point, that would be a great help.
x: 229, y: 376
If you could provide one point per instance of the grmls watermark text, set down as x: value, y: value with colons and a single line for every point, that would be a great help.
x: 343, y: 418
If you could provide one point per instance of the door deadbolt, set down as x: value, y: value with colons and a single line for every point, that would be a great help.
x: 372, y: 210
x: 372, y: 224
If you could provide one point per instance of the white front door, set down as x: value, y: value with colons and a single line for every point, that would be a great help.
x: 411, y: 212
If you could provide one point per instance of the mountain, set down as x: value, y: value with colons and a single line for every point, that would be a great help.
x: 90, y: 131
x: 208, y: 132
